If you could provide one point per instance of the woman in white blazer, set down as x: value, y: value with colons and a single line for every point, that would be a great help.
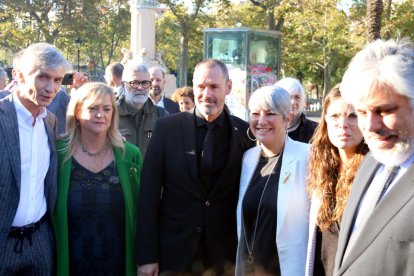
x: 273, y: 207
x: 337, y: 151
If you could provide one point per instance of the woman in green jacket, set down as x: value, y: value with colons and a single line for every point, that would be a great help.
x: 98, y: 186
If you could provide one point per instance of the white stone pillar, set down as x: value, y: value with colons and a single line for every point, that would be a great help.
x: 142, y: 32
x: 143, y: 39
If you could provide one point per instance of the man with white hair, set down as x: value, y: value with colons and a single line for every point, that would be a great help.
x: 28, y: 164
x: 377, y: 228
x: 137, y: 113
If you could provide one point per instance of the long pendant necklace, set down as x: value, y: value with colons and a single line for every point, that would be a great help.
x: 250, y: 258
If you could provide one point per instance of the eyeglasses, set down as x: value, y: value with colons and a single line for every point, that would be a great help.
x: 136, y: 84
x: 350, y: 118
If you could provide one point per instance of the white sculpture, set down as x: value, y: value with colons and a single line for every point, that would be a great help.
x: 127, y: 55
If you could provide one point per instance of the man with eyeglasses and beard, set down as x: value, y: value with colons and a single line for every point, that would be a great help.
x: 137, y: 113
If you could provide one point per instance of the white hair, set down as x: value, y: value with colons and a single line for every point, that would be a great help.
x: 292, y: 85
x: 132, y: 67
x: 40, y: 56
x: 273, y: 98
x: 381, y: 63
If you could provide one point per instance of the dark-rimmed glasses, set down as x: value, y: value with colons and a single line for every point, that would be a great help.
x: 136, y: 84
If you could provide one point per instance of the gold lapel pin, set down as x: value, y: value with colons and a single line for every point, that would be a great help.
x: 287, y: 175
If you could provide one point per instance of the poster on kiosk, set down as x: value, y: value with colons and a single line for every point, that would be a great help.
x: 252, y: 57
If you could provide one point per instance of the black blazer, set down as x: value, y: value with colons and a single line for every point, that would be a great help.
x: 170, y: 226
x: 171, y: 106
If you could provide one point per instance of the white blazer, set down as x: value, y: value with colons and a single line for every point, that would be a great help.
x: 292, y: 205
x: 310, y: 257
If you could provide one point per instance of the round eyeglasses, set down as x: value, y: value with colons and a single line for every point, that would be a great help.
x: 137, y: 84
x: 350, y: 118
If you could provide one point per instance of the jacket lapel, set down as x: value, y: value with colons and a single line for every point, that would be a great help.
x: 383, y: 213
x: 10, y: 129
x: 286, y: 184
x: 51, y: 177
x: 361, y: 183
x: 188, y: 130
x: 234, y: 147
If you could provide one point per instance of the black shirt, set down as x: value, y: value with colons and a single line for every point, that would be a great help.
x: 304, y: 132
x: 264, y: 251
x: 221, y: 148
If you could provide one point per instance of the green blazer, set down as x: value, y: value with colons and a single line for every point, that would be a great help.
x: 128, y: 165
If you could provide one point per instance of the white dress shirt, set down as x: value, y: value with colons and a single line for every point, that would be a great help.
x: 35, y: 159
x: 370, y: 193
x: 160, y: 102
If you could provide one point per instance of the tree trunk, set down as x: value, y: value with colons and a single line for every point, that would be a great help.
x: 374, y: 13
x: 388, y: 11
x: 326, y: 80
x: 183, y: 58
x: 270, y: 19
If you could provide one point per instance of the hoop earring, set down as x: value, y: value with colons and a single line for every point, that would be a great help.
x: 248, y: 135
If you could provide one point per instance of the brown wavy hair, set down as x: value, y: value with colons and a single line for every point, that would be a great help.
x: 327, y: 176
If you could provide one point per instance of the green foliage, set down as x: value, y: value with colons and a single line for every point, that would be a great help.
x: 316, y: 37
x: 103, y: 25
x: 248, y: 15
x: 189, y: 22
x: 401, y: 22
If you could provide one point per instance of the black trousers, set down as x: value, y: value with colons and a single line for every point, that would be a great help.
x: 34, y: 255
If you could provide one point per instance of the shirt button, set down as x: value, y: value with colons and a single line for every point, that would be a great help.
x: 199, y: 229
x: 207, y: 203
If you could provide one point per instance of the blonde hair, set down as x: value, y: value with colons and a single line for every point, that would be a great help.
x: 95, y: 91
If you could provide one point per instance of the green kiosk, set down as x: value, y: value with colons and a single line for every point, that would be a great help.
x: 252, y: 57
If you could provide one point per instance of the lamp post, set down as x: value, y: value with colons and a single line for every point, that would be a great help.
x: 78, y: 43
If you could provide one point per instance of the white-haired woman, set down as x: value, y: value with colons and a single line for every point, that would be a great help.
x: 98, y: 186
x: 273, y: 207
x: 300, y: 128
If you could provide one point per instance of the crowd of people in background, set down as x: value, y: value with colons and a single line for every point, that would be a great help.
x: 116, y: 178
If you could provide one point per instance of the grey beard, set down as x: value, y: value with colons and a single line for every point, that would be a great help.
x: 134, y: 100
x: 395, y: 156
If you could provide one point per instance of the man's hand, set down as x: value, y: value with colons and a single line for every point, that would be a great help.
x: 148, y: 270
x: 79, y: 79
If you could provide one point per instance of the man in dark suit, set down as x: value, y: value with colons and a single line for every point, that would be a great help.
x: 28, y: 164
x: 157, y: 76
x: 377, y: 228
x: 189, y: 185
